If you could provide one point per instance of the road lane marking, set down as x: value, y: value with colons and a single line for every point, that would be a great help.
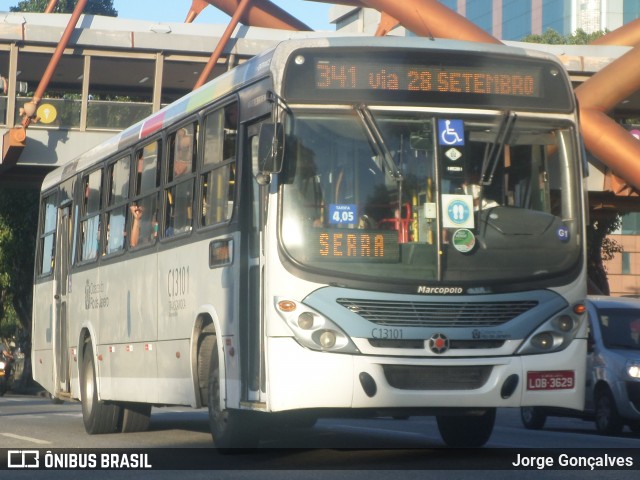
x: 27, y: 439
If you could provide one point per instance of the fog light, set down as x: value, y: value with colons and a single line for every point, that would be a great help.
x: 543, y: 341
x: 305, y: 320
x: 564, y: 323
x: 327, y: 339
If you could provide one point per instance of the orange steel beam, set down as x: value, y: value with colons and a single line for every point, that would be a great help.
x: 213, y: 59
x: 14, y: 139
x: 603, y: 137
x: 351, y: 3
x: 196, y: 8
x: 30, y: 108
x: 262, y: 13
x: 432, y: 19
x: 387, y: 23
x: 428, y: 18
x: 50, y: 6
x: 626, y: 35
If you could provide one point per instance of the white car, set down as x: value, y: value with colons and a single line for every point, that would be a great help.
x: 613, y: 369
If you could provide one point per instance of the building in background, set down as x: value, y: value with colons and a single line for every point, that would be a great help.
x: 623, y: 271
x: 513, y: 19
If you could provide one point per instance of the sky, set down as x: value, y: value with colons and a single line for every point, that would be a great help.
x: 314, y: 14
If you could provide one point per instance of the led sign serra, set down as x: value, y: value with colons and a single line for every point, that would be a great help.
x: 345, y: 245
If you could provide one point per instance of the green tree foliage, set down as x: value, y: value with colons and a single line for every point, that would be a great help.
x: 94, y: 7
x: 551, y: 37
x: 18, y: 223
x: 601, y: 248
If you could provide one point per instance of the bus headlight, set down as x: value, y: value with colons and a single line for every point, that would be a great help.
x: 543, y: 341
x: 555, y: 334
x: 564, y: 323
x: 633, y: 369
x: 313, y: 330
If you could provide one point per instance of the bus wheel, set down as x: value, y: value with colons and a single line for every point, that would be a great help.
x: 229, y: 428
x: 466, y: 430
x: 135, y: 417
x: 533, y: 418
x: 99, y: 417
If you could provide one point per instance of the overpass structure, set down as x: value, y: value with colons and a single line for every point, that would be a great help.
x: 115, y: 72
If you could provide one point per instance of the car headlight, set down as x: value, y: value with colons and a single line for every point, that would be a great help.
x: 313, y: 330
x: 633, y: 369
x: 556, y: 333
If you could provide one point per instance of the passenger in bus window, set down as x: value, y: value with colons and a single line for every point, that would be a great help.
x: 183, y: 152
x: 144, y: 224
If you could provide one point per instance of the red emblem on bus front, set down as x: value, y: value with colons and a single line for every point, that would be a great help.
x: 439, y: 343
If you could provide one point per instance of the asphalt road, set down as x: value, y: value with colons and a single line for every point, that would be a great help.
x: 335, y: 448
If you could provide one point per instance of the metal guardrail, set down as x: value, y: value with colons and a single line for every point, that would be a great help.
x: 67, y: 113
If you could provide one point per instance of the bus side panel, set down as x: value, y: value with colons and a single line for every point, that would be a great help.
x: 174, y: 383
x: 183, y: 282
x: 186, y: 285
x: 42, y: 336
x: 127, y: 331
x: 84, y: 312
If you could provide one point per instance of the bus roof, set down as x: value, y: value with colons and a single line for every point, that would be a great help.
x: 272, y: 62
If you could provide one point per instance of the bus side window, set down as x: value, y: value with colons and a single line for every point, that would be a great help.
x: 219, y: 163
x: 182, y: 151
x: 90, y: 216
x: 144, y: 208
x: 118, y: 177
x: 179, y: 196
x: 48, y: 234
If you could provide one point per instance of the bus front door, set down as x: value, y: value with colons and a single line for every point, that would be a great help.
x: 61, y: 281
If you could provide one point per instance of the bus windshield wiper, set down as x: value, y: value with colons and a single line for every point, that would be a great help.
x: 376, y: 138
x: 492, y: 156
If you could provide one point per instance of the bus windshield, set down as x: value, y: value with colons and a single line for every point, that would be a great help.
x: 412, y: 196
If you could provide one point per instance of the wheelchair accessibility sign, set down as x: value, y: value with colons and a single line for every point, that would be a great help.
x: 450, y: 133
x: 457, y: 211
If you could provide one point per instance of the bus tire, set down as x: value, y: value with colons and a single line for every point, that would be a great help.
x: 99, y: 417
x: 229, y: 428
x: 135, y: 417
x: 533, y: 418
x: 466, y: 431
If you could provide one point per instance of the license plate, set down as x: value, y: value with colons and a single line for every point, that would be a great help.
x: 556, y: 380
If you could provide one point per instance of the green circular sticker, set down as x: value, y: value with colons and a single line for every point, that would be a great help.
x: 463, y: 240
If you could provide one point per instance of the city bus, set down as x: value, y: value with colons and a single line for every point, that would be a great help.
x: 336, y: 227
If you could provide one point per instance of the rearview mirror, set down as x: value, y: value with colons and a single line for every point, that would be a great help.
x: 270, y: 147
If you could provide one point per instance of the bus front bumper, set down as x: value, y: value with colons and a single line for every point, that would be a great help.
x: 299, y: 378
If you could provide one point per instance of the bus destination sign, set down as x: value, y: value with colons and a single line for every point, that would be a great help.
x: 346, y: 245
x: 395, y: 76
